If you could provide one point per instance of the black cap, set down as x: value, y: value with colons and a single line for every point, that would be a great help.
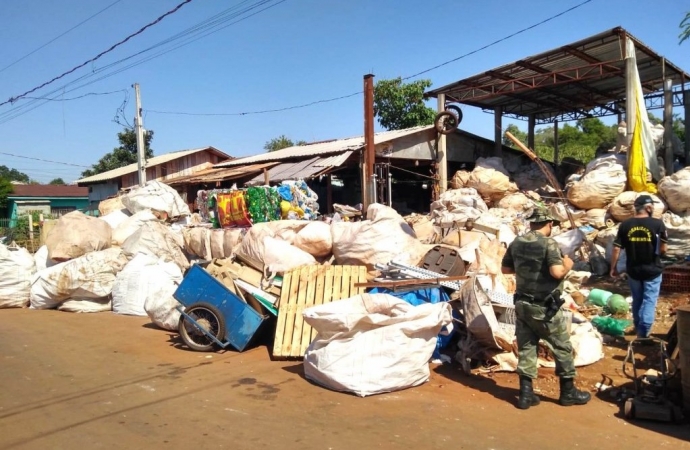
x: 643, y: 200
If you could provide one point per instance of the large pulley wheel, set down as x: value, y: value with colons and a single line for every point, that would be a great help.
x: 446, y: 122
x: 208, y: 319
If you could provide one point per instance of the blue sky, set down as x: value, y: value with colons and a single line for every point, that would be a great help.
x: 296, y: 52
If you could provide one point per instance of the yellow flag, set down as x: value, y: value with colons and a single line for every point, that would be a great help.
x: 637, y: 166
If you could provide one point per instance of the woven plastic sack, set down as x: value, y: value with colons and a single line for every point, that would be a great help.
x: 158, y: 197
x: 623, y: 207
x: 604, y: 180
x: 315, y: 239
x: 678, y: 230
x: 17, y: 268
x: 491, y: 179
x: 131, y: 225
x: 197, y: 241
x: 86, y: 305
x: 675, y: 189
x: 76, y: 234
x: 42, y: 260
x: 373, y: 343
x: 156, y: 239
x: 460, y: 179
x: 109, y: 205
x: 115, y: 218
x: 281, y: 256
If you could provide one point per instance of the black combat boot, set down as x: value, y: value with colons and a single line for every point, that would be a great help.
x: 570, y: 395
x: 527, y: 397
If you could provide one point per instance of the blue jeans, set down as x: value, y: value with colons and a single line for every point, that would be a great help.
x: 645, y: 295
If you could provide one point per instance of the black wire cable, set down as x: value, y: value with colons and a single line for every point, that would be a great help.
x: 361, y: 92
x: 59, y: 36
x: 23, y: 109
x: 113, y: 47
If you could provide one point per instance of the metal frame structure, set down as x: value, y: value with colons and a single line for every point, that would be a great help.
x: 580, y: 80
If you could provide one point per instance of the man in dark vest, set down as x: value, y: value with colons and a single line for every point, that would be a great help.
x: 539, y: 268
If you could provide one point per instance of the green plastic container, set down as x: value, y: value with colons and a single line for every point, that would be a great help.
x: 617, y: 304
x: 599, y: 297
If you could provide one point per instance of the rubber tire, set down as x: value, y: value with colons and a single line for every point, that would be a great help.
x: 441, y: 122
x: 456, y: 110
x: 220, y: 335
x: 629, y: 409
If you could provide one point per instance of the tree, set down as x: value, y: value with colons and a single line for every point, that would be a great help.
x: 13, y: 175
x: 281, y: 142
x: 515, y: 131
x: 57, y: 181
x: 399, y: 105
x: 684, y: 29
x: 123, y: 155
x: 5, y: 190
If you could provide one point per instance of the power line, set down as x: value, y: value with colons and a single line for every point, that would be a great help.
x: 212, y: 22
x: 361, y: 92
x: 44, y: 160
x: 59, y: 36
x: 114, y: 46
x: 90, y: 94
x: 499, y: 40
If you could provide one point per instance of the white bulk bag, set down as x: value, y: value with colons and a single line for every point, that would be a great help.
x: 158, y: 197
x: 603, y: 181
x: 315, y: 239
x: 17, y: 268
x: 76, y: 234
x: 131, y: 225
x: 115, y: 218
x: 156, y: 239
x: 145, y: 279
x: 89, y: 277
x: 42, y: 260
x: 678, y: 230
x: 373, y: 343
x: 675, y: 189
x: 623, y: 206
x: 86, y: 305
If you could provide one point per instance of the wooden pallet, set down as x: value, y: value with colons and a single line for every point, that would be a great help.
x: 305, y: 287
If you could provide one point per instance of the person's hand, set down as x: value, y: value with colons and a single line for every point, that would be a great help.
x: 613, y: 273
x: 567, y: 262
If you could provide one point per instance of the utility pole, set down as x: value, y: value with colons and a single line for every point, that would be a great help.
x: 139, y: 130
x: 368, y: 191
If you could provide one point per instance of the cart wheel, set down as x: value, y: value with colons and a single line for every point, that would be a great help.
x: 446, y: 122
x: 210, y: 319
x: 456, y: 111
x: 629, y: 409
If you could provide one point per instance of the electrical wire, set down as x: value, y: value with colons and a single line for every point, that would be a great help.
x: 361, y: 92
x: 203, y: 26
x: 112, y: 47
x: 44, y: 160
x: 90, y: 94
x: 59, y: 36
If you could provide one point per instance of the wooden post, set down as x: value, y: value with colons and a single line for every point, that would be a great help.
x: 31, y: 230
x: 442, y: 154
x: 267, y: 178
x: 668, y: 126
x: 329, y: 193
x: 369, y: 148
x: 530, y: 131
x: 556, y: 152
x: 498, y: 131
x: 686, y: 122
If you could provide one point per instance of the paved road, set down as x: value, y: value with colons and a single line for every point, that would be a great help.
x: 102, y: 381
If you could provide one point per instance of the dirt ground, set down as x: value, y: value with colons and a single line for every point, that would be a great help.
x: 103, y: 381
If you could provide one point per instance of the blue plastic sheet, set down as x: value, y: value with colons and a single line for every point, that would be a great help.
x: 285, y: 192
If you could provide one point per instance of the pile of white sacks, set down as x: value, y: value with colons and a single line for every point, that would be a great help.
x: 501, y: 199
x: 132, y: 258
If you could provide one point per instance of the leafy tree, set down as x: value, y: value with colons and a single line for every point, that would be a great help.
x: 14, y: 175
x: 280, y: 143
x: 684, y: 29
x: 123, y: 155
x: 399, y: 105
x: 580, y: 141
x: 5, y: 190
x: 58, y: 181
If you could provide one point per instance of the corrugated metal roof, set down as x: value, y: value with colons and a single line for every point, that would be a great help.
x: 334, y: 161
x: 323, y: 148
x: 578, y: 77
x: 156, y: 160
x: 305, y: 168
x: 222, y: 174
x: 48, y: 190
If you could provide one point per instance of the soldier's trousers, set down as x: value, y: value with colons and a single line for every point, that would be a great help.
x: 530, y: 327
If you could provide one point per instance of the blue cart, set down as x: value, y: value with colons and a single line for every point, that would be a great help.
x: 214, y: 316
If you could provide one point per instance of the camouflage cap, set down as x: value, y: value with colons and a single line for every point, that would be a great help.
x: 541, y: 215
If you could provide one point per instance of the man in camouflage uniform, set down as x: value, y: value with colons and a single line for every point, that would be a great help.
x: 539, y: 269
